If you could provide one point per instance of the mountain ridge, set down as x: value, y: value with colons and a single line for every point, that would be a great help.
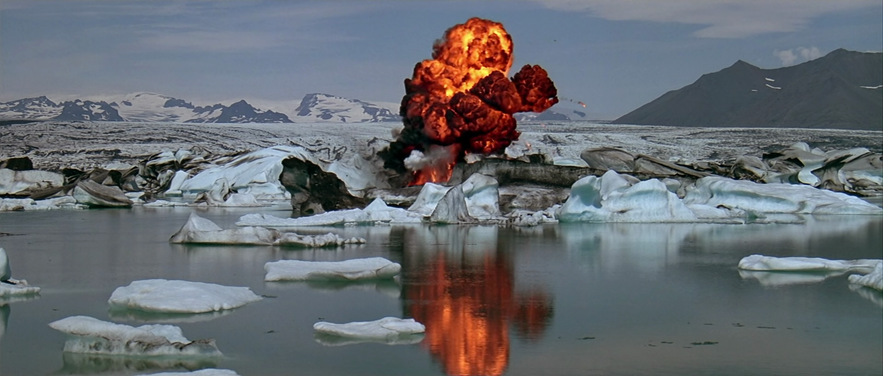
x: 839, y: 90
x: 153, y: 107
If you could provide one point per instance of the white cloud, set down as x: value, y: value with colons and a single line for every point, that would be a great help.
x: 791, y: 55
x: 722, y: 18
x: 787, y: 56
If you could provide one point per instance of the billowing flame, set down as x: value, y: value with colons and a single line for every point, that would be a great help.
x: 462, y: 97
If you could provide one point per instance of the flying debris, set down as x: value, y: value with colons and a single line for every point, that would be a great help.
x: 461, y: 101
x: 581, y: 103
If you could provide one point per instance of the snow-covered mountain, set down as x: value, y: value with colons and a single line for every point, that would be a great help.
x: 152, y: 107
x: 318, y: 107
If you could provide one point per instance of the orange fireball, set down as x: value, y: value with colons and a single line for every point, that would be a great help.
x: 462, y: 97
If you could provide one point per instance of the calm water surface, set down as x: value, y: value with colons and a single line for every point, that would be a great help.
x: 605, y: 299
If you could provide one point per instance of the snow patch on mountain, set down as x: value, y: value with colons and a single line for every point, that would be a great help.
x: 318, y: 107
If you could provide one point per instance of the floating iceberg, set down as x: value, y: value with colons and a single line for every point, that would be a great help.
x: 92, y: 336
x: 874, y: 279
x: 806, y: 264
x: 349, y: 270
x: 171, y: 296
x: 199, y: 230
x: 375, y: 213
x: 389, y: 330
x: 202, y: 372
x: 613, y: 198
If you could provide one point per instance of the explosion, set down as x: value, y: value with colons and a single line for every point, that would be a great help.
x: 462, y: 102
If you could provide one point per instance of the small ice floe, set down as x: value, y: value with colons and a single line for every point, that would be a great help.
x: 172, y: 296
x: 10, y: 286
x: 202, y: 372
x: 89, y: 335
x: 375, y: 213
x: 388, y: 330
x: 874, y: 279
x: 349, y: 270
x: 199, y: 230
x: 806, y: 264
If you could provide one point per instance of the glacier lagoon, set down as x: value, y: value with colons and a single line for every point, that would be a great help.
x: 626, y: 299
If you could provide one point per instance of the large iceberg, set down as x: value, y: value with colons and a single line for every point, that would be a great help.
x: 92, y: 336
x: 389, y: 330
x: 171, y: 296
x: 613, y: 198
x: 349, y: 270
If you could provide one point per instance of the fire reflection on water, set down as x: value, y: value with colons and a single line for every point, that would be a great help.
x: 462, y: 287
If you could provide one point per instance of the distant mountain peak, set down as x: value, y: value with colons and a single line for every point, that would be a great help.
x: 828, y: 92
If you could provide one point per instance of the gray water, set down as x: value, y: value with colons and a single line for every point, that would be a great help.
x: 580, y: 299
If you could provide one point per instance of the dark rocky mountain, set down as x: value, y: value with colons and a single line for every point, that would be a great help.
x: 242, y: 112
x: 841, y: 90
x: 89, y: 111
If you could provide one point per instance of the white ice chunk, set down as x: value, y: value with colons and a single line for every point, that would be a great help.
x: 355, y: 269
x: 93, y: 336
x: 177, y: 181
x: 375, y: 213
x: 385, y: 329
x: 12, y: 182
x: 202, y: 372
x: 482, y: 194
x: 17, y: 204
x: 199, y: 230
x: 172, y: 296
x: 808, y: 264
x: 18, y: 288
x: 874, y: 279
x: 428, y: 198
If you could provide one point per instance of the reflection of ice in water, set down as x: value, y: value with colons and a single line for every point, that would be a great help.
x: 649, y: 248
x: 82, y: 364
x: 4, y: 318
x: 874, y: 296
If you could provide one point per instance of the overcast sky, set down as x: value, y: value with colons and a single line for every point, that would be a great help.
x: 612, y: 55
